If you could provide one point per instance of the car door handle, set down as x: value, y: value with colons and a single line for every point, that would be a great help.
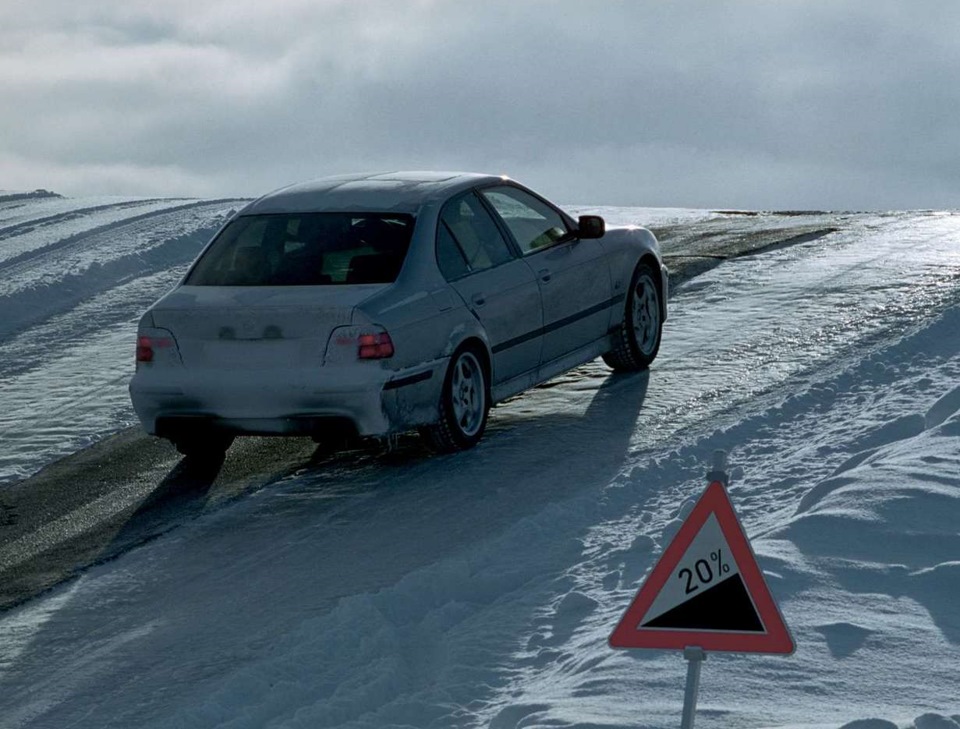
x: 478, y: 299
x: 544, y: 274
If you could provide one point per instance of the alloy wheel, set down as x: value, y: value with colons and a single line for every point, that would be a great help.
x: 646, y: 314
x: 468, y: 394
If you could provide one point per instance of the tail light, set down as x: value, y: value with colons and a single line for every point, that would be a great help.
x: 149, y: 344
x: 375, y: 346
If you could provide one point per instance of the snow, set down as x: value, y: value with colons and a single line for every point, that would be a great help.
x: 69, y: 314
x: 479, y: 589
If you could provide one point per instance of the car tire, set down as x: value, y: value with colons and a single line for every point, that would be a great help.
x: 464, y: 404
x: 637, y: 341
x: 207, y: 446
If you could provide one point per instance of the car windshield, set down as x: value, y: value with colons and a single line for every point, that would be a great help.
x: 306, y: 249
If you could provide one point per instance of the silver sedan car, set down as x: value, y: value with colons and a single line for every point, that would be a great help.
x: 368, y: 305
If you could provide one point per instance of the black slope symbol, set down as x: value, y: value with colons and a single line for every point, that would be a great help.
x: 726, y: 606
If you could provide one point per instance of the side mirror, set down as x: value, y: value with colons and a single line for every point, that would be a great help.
x: 591, y: 226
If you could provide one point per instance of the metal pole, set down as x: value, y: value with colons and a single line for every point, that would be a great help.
x: 694, y: 656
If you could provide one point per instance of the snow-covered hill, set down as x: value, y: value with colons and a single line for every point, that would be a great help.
x: 75, y: 274
x: 478, y: 589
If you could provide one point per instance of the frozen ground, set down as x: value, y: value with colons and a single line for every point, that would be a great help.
x: 74, y: 275
x: 479, y: 589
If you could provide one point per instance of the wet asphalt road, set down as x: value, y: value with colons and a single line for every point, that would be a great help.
x: 130, y: 488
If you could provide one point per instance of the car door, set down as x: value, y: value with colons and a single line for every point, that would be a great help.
x: 498, y: 287
x: 573, y: 275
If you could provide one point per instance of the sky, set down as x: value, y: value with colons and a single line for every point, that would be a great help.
x: 810, y: 104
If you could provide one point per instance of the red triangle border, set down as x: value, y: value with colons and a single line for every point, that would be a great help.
x: 776, y: 638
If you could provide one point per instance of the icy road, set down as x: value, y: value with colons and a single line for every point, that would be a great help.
x: 371, y: 589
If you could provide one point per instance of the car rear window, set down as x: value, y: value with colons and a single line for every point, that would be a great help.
x: 306, y: 249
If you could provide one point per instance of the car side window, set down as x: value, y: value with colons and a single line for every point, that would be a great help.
x: 468, y: 240
x: 533, y: 223
x: 450, y: 258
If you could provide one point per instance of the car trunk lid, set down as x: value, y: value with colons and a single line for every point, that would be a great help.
x: 261, y: 327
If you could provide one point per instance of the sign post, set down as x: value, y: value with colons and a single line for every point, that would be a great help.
x: 695, y: 657
x: 705, y: 593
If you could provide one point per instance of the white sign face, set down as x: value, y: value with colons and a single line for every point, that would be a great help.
x: 705, y: 564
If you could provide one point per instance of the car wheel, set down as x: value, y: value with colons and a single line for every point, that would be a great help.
x: 464, y: 405
x: 203, y: 445
x: 637, y: 341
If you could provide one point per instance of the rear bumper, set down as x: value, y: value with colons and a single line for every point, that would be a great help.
x: 368, y: 401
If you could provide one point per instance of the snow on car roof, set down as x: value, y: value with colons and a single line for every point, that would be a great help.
x: 402, y: 192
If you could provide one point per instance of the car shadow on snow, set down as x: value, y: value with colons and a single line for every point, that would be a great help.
x: 540, y: 447
x: 567, y: 434
x: 369, y: 527
x: 125, y: 491
x: 394, y: 512
x: 181, y: 495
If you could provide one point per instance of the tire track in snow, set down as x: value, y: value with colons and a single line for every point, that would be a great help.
x: 30, y: 241
x: 65, y: 346
x: 28, y: 226
x: 25, y: 206
x: 123, y: 303
x: 91, y: 263
x: 15, y: 266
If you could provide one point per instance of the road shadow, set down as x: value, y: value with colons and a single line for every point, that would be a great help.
x: 41, y: 547
x: 181, y: 495
x: 554, y: 447
x: 421, y: 529
x: 178, y: 496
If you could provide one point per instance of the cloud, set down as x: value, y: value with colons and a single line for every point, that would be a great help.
x: 787, y: 104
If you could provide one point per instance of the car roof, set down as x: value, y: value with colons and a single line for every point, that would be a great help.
x: 401, y: 192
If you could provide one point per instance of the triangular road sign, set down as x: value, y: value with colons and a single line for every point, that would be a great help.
x: 706, y: 590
